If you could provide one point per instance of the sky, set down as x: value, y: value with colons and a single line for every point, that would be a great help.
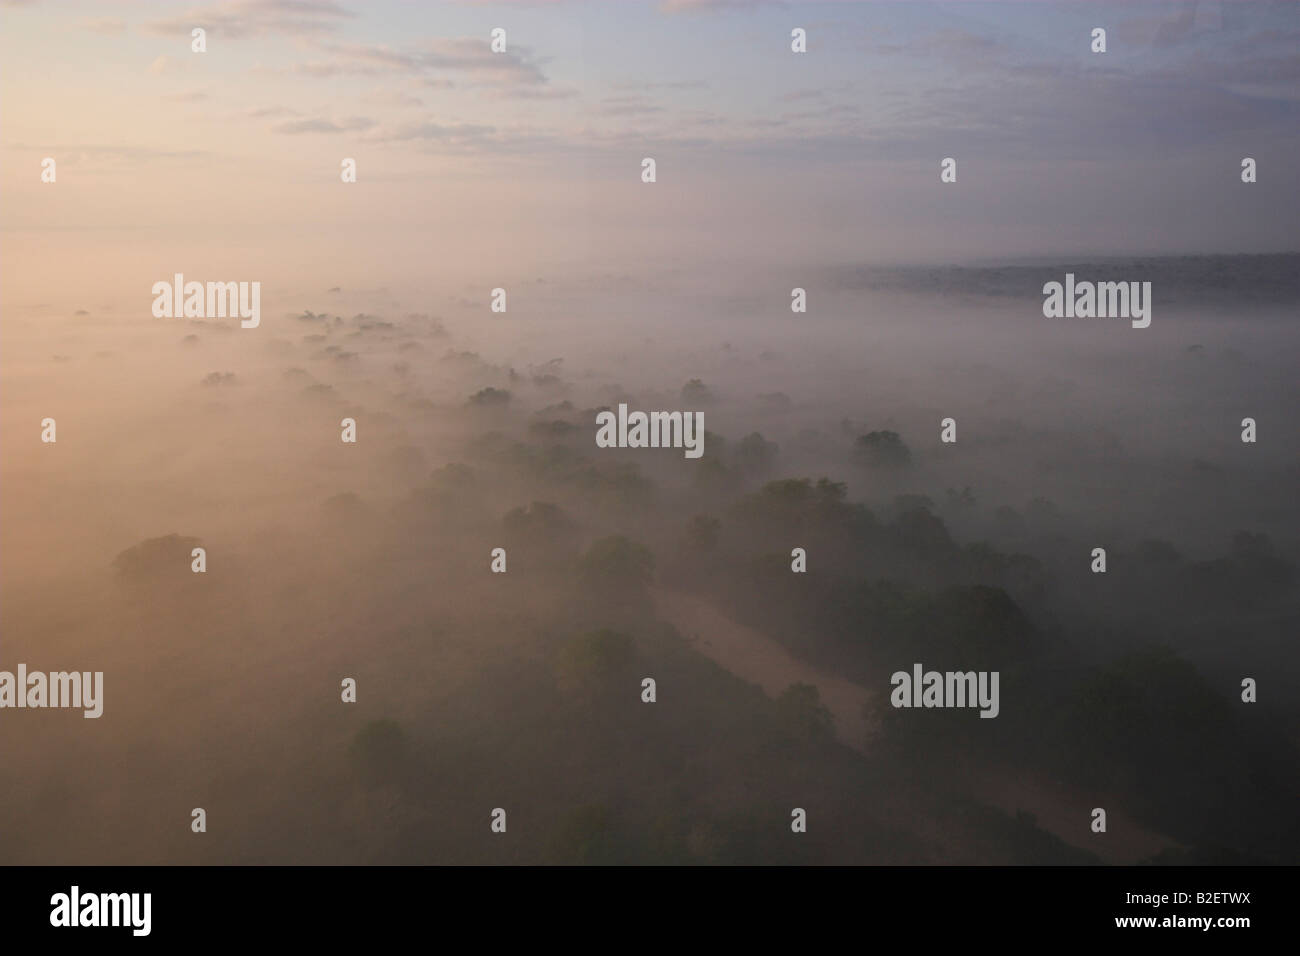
x: 469, y: 161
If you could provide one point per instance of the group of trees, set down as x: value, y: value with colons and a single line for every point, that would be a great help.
x: 882, y: 589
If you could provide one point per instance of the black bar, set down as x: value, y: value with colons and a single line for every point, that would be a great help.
x: 475, y: 904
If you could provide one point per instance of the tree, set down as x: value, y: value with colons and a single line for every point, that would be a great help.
x: 756, y: 454
x: 154, y: 557
x: 617, y: 561
x: 490, y: 396
x: 597, y: 666
x: 695, y: 392
x: 882, y: 449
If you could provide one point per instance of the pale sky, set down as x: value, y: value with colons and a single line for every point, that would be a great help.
x: 227, y: 162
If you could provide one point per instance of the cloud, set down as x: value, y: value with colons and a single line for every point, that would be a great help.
x: 472, y: 139
x: 951, y: 47
x: 533, y: 93
x: 1163, y: 31
x: 469, y: 58
x: 428, y: 130
x: 249, y: 18
x: 350, y: 124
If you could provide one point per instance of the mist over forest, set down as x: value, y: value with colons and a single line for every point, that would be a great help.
x: 523, y: 690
